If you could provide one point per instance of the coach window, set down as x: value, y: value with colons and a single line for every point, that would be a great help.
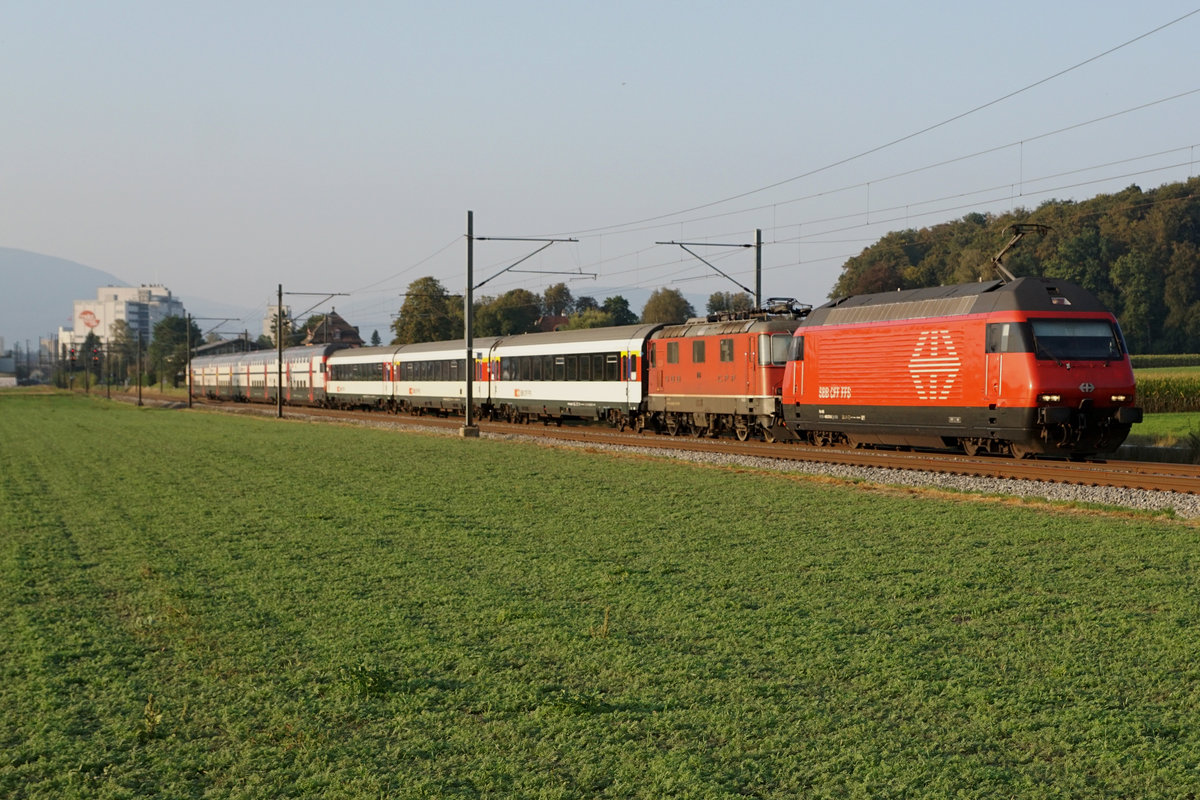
x: 612, y: 367
x: 560, y: 368
x: 572, y: 368
x: 698, y: 351
x: 672, y: 352
x: 727, y: 350
x: 598, y: 367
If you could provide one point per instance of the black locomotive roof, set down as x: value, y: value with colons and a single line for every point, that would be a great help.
x: 1023, y: 294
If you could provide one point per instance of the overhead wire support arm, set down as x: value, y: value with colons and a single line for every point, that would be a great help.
x: 279, y: 323
x: 323, y: 295
x: 511, y: 267
x: 756, y: 292
x: 469, y: 429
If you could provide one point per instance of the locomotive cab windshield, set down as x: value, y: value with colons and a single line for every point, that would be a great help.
x: 1060, y: 340
x: 1065, y: 340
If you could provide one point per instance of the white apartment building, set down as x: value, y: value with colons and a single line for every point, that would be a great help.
x: 141, y: 307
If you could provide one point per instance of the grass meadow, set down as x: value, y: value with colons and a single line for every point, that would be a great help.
x: 198, y: 605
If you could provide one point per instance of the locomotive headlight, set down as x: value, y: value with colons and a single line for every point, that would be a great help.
x: 1119, y: 398
x: 1049, y: 398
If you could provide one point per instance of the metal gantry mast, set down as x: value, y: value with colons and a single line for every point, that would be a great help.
x: 279, y: 337
x: 469, y: 429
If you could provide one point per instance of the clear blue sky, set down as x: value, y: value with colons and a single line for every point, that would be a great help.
x: 224, y: 147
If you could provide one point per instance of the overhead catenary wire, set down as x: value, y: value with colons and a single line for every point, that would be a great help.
x: 880, y: 216
x: 898, y: 140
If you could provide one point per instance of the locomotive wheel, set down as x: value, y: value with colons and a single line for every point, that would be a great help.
x: 768, y: 434
x: 672, y: 426
x: 742, y: 431
x: 1019, y: 451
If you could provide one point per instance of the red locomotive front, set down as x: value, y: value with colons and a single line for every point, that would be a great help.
x: 1030, y: 366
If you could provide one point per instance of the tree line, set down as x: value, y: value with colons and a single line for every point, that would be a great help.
x: 1137, y: 251
x: 125, y: 361
x: 431, y: 314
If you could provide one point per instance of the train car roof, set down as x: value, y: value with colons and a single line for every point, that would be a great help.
x: 478, y: 343
x: 702, y: 327
x: 620, y: 333
x: 310, y: 350
x: 1023, y: 294
x: 366, y: 353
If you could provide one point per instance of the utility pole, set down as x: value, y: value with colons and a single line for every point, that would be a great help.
x: 279, y: 335
x: 190, y: 320
x: 758, y: 267
x: 757, y: 290
x: 279, y: 353
x: 469, y: 429
x: 139, y: 365
x: 188, y: 359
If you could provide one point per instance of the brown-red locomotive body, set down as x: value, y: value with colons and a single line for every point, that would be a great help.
x: 708, y: 377
x: 1031, y: 366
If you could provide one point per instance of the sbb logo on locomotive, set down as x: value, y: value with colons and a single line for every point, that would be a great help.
x: 934, y: 365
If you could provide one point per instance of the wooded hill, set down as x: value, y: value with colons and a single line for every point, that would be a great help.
x: 1138, y: 251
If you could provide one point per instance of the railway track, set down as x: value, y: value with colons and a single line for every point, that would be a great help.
x: 1136, y: 475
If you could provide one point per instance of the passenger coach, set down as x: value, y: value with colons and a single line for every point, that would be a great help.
x: 595, y: 374
x: 254, y: 376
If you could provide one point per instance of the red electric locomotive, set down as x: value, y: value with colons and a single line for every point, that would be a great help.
x: 1029, y: 366
x: 721, y: 374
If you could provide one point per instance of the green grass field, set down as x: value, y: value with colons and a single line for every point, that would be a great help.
x: 1166, y: 430
x: 198, y: 605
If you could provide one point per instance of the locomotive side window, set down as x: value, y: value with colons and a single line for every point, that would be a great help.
x: 1075, y: 340
x: 785, y: 348
x: 776, y: 349
x: 698, y: 351
x: 1008, y: 337
x: 672, y: 352
x: 727, y: 350
x: 781, y: 348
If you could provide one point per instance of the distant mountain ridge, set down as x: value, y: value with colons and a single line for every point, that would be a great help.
x: 37, y: 291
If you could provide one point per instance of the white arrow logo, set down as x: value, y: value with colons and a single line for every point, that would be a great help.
x: 934, y: 365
